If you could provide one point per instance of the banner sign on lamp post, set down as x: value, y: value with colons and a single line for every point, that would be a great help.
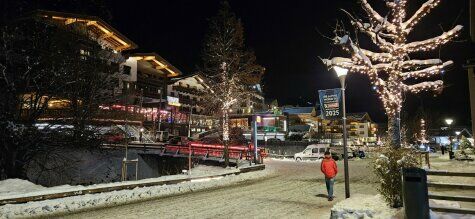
x: 331, y: 103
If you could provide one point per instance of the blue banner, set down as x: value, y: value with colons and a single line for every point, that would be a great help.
x: 331, y: 103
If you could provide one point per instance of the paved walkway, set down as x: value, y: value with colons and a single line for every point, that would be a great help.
x: 295, y: 190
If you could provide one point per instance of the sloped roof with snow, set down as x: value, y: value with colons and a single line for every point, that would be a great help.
x: 297, y: 110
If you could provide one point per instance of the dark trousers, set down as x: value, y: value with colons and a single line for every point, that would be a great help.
x: 329, y: 183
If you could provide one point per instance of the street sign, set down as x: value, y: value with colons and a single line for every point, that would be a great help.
x: 331, y: 103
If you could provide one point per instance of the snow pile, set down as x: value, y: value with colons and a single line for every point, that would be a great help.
x: 285, y: 159
x: 201, y: 170
x: 36, y: 190
x: 369, y: 206
x: 17, y: 186
x: 107, y: 199
x: 363, y: 206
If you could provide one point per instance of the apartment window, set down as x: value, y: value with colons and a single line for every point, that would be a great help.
x: 126, y: 70
x: 172, y: 94
x: 361, y: 133
x: 361, y: 126
x: 84, y: 54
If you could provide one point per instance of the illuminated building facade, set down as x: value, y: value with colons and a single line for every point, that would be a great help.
x: 361, y: 129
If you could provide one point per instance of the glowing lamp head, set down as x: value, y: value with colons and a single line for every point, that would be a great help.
x: 449, y: 121
x: 458, y: 133
x: 141, y: 129
x: 340, y: 72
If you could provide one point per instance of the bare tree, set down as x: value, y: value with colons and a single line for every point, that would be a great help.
x: 227, y: 68
x: 41, y: 62
x: 390, y: 69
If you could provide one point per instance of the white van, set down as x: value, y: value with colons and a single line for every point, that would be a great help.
x: 312, y: 152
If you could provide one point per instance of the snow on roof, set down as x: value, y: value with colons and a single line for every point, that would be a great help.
x: 297, y: 110
x: 105, y: 32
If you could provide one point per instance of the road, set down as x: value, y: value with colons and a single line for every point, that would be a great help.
x: 293, y: 190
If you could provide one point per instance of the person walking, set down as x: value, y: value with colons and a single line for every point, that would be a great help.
x: 329, y: 169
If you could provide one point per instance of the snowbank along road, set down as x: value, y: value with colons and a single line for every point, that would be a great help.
x: 292, y: 190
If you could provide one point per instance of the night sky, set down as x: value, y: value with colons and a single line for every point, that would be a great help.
x: 284, y: 36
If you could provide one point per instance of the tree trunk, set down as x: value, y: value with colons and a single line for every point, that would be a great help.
x: 226, y: 137
x: 394, y: 130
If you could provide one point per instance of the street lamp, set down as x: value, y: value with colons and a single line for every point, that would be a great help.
x: 141, y: 134
x: 449, y: 121
x: 458, y: 133
x: 341, y: 73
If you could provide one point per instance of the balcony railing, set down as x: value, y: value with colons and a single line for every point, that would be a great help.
x: 100, y: 115
x: 188, y: 90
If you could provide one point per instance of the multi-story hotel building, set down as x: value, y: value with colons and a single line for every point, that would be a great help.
x: 361, y: 129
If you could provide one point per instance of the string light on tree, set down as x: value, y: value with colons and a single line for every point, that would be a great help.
x: 390, y: 70
x: 423, y: 135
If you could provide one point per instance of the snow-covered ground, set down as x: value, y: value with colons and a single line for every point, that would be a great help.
x: 11, y: 187
x: 14, y: 188
x: 293, y: 190
x: 287, y: 189
x: 373, y: 206
x: 88, y: 201
x: 363, y: 206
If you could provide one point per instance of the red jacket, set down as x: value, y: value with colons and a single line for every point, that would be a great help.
x: 329, y: 168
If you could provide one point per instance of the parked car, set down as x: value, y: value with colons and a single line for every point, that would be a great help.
x: 312, y: 152
x: 359, y: 153
x: 422, y: 147
x: 339, y: 150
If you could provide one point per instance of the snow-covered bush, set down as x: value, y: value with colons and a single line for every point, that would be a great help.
x: 465, y: 148
x: 465, y: 144
x: 388, y: 169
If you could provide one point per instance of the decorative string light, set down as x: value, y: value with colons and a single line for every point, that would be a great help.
x: 391, y: 71
x: 423, y: 135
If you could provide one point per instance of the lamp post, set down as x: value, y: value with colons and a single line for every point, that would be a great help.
x: 449, y: 122
x: 341, y: 73
x: 189, y: 135
x: 160, y: 114
x: 141, y: 134
x: 457, y: 133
